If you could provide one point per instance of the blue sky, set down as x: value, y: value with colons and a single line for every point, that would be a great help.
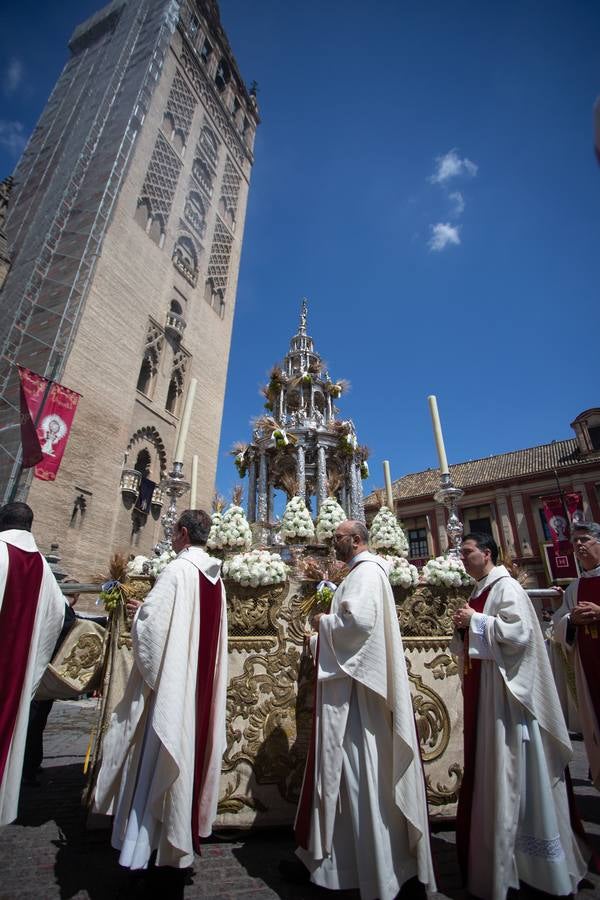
x: 425, y: 176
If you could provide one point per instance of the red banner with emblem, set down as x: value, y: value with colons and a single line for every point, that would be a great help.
x: 574, y: 504
x: 47, y: 412
x: 558, y: 524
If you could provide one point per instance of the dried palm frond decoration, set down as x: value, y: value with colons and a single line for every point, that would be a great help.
x: 237, y: 494
x: 313, y: 568
x: 114, y: 592
x: 363, y: 452
x: 300, y: 378
x: 277, y: 376
x: 218, y: 502
x: 239, y: 451
x: 379, y: 498
x: 289, y: 483
x: 316, y: 366
x: 334, y: 482
x: 337, y: 388
x: 238, y: 447
x: 273, y: 430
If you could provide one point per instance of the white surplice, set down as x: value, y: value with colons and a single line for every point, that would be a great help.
x: 520, y: 825
x: 147, y: 772
x: 369, y: 826
x: 49, y: 619
x: 587, y: 715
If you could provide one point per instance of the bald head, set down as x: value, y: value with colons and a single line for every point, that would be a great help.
x: 351, y: 537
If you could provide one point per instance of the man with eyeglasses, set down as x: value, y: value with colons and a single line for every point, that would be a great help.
x: 577, y: 627
x: 362, y: 817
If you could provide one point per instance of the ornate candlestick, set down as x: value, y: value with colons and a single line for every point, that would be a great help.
x: 449, y: 496
x: 174, y: 486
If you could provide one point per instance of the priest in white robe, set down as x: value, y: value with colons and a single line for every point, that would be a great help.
x: 162, y: 754
x: 577, y: 627
x: 513, y: 819
x: 32, y: 610
x: 362, y: 818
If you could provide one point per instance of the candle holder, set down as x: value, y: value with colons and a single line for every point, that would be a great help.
x: 174, y: 486
x: 449, y: 495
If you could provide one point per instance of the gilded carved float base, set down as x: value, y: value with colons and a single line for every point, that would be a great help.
x: 270, y: 696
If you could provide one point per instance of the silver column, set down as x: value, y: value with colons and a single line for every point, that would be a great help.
x: 301, y: 472
x: 252, y: 491
x: 262, y: 510
x: 321, y: 477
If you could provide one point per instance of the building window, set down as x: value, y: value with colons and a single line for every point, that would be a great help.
x: 150, y: 360
x: 481, y: 526
x: 208, y: 143
x: 222, y: 76
x: 185, y: 259
x: 176, y: 382
x: 206, y: 52
x: 594, y: 433
x: 203, y: 175
x: 195, y: 212
x: 417, y: 543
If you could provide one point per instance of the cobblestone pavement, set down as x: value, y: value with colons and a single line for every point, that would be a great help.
x: 48, y: 853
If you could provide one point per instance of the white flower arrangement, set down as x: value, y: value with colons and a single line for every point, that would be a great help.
x: 137, y: 565
x: 230, y: 531
x: 330, y: 516
x: 296, y: 523
x: 445, y: 571
x: 402, y: 573
x: 386, y: 534
x: 258, y: 567
x: 158, y: 563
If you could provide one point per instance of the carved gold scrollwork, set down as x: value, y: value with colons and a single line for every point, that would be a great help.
x: 85, y: 655
x: 442, y: 666
x: 268, y: 720
x: 442, y: 795
x: 428, y: 612
x: 431, y: 716
x: 230, y: 803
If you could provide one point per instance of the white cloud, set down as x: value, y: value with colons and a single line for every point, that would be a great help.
x: 13, y: 76
x: 450, y: 166
x: 443, y: 234
x: 459, y: 203
x: 12, y: 137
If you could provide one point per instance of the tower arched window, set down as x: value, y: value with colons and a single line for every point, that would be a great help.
x: 209, y: 144
x: 195, y: 212
x: 185, y: 259
x: 151, y: 359
x: 222, y: 76
x: 203, y: 175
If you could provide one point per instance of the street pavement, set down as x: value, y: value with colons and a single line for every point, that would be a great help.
x: 48, y: 853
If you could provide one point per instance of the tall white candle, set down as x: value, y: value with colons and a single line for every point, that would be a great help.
x: 437, y: 433
x: 194, y: 490
x: 185, y: 422
x: 388, y: 484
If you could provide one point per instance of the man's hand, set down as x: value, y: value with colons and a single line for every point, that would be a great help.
x: 585, y: 613
x: 132, y: 606
x: 462, y: 616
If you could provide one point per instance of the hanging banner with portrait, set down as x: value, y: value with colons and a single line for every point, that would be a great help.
x: 47, y: 412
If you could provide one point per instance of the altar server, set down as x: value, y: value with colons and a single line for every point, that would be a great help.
x: 513, y: 814
x: 577, y: 627
x: 32, y: 610
x: 362, y: 817
x: 162, y: 753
